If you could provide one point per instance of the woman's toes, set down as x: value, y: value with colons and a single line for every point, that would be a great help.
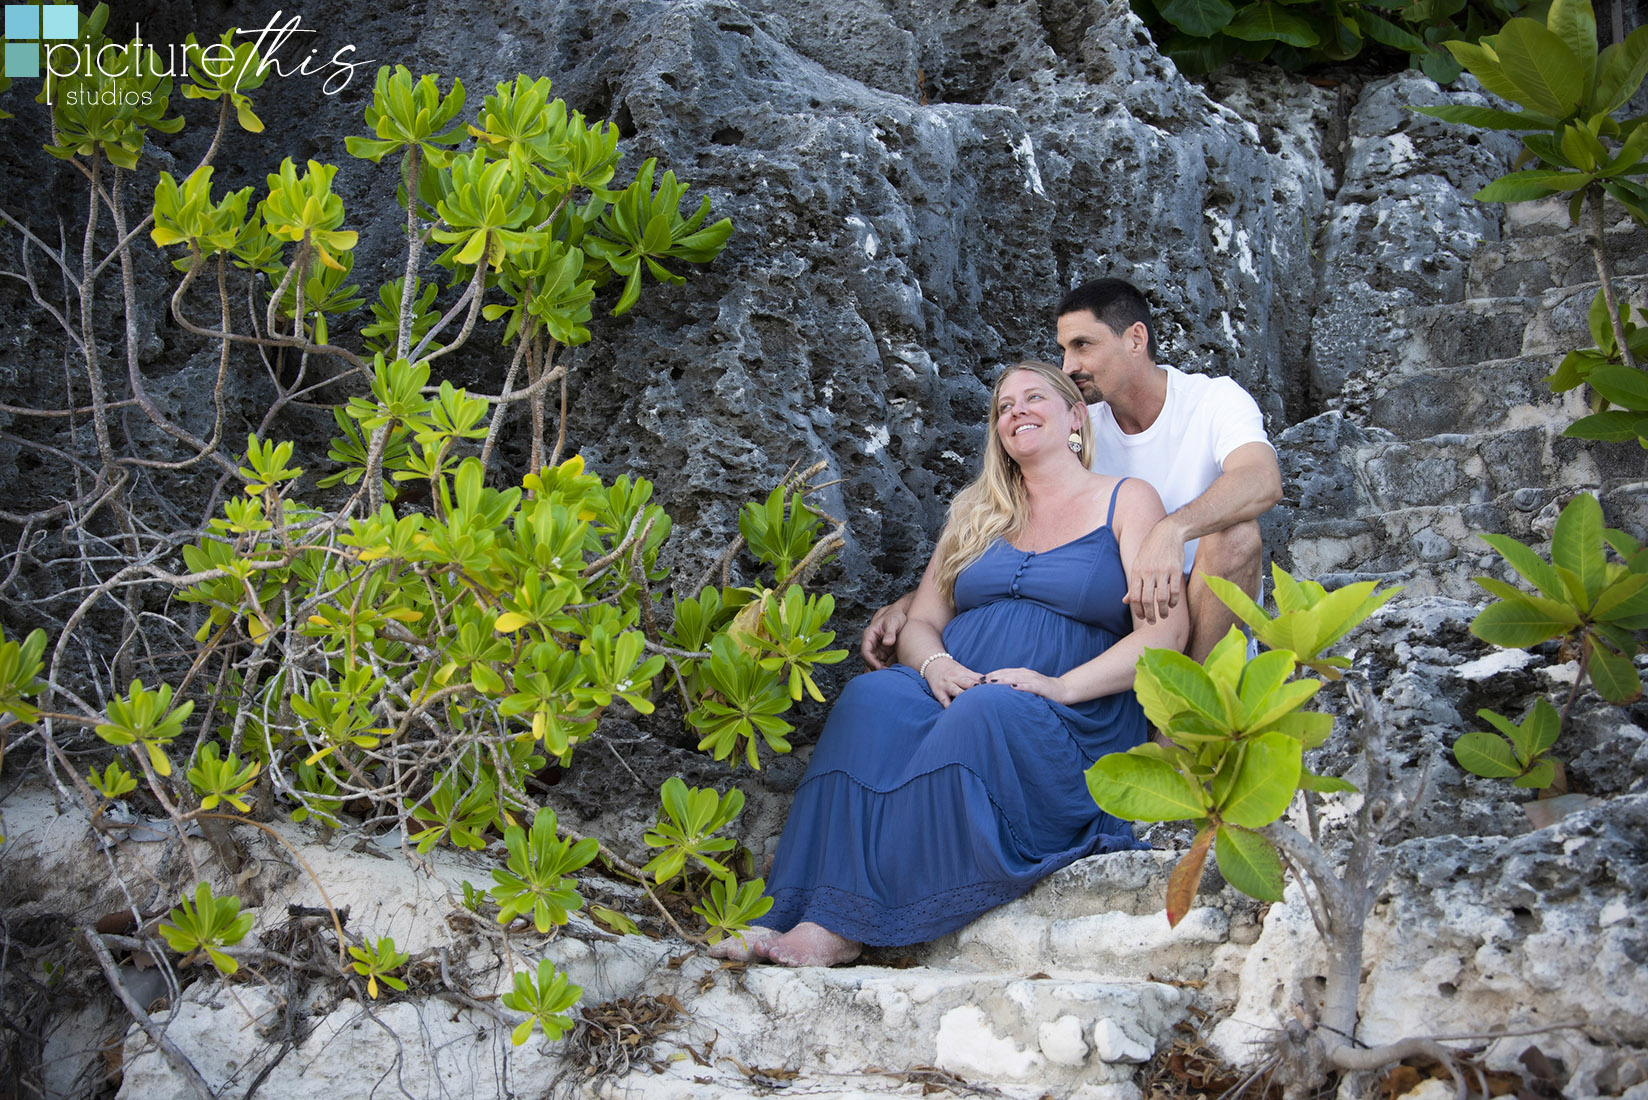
x: 741, y: 947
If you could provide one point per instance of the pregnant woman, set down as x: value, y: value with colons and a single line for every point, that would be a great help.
x: 950, y: 783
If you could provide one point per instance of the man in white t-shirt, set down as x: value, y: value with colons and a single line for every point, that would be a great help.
x: 1199, y: 441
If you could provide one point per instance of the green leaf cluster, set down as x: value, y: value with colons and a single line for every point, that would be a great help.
x: 20, y: 663
x: 216, y: 779
x: 1518, y: 751
x: 1203, y: 35
x: 456, y: 812
x: 378, y: 958
x: 793, y: 639
x: 536, y: 881
x: 729, y: 907
x: 407, y: 115
x: 1237, y: 734
x: 303, y: 209
x: 113, y: 781
x: 208, y: 924
x: 226, y: 71
x: 112, y: 116
x: 688, y: 819
x: 544, y: 997
x: 146, y: 718
x: 1619, y: 391
x: 1596, y: 605
x: 1567, y: 91
x: 780, y: 536
x: 741, y: 703
x: 1308, y: 618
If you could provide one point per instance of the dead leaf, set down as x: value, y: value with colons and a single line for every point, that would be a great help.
x: 1186, y: 877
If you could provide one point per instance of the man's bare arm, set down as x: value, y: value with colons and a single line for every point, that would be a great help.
x: 1250, y: 484
x: 879, y: 646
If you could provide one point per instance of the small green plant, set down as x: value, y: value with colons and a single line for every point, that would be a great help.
x: 114, y: 781
x: 777, y: 535
x: 20, y: 663
x: 741, y: 701
x: 1620, y: 391
x: 544, y: 997
x: 536, y: 881
x: 1237, y: 735
x: 1235, y: 762
x: 217, y: 780
x: 688, y: 819
x: 1594, y: 605
x: 208, y: 924
x: 457, y: 814
x: 730, y: 907
x: 1234, y: 765
x: 793, y: 636
x: 146, y: 718
x: 1521, y: 754
x: 379, y: 959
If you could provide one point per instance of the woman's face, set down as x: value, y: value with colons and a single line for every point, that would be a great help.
x: 1031, y: 414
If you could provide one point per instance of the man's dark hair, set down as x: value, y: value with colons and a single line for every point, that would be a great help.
x: 1117, y: 303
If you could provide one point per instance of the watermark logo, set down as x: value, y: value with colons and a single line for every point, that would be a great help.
x: 29, y: 26
x: 45, y: 41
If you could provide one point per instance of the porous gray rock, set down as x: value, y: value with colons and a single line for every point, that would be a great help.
x: 1530, y: 932
x: 913, y: 185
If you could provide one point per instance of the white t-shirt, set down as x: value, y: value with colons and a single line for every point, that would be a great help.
x: 1180, y: 455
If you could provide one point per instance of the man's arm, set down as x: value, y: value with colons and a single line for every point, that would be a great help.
x: 879, y: 646
x: 1250, y: 484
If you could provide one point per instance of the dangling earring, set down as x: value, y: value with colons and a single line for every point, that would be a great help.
x: 1074, y: 443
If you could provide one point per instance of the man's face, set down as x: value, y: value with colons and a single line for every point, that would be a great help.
x: 1093, y: 354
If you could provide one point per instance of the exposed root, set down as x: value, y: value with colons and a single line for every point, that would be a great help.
x: 1188, y: 1069
x: 612, y: 1038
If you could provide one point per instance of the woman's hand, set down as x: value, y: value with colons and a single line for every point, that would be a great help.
x: 1028, y: 679
x: 948, y: 678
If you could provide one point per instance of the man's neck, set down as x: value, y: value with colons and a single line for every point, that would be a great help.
x: 1137, y: 404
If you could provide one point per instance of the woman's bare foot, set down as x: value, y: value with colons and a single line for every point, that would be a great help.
x: 740, y: 947
x: 808, y: 944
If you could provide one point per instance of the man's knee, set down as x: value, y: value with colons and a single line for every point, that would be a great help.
x: 1234, y: 554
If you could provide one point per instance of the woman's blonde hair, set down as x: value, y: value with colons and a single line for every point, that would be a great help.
x: 994, y: 505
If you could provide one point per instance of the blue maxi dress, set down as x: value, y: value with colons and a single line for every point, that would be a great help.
x: 913, y: 819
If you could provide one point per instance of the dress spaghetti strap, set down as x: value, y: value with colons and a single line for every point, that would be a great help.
x: 1114, y: 493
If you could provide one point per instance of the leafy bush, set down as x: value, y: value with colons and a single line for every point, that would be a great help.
x: 1568, y: 93
x: 1202, y: 35
x: 411, y: 635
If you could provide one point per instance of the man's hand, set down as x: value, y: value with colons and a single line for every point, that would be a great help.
x: 1158, y: 573
x: 948, y: 678
x: 880, y: 644
x: 1028, y: 679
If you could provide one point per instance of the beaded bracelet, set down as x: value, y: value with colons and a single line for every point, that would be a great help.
x: 922, y: 671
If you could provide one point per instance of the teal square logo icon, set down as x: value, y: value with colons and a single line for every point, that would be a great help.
x: 22, y: 59
x: 39, y: 22
x: 22, y: 21
x: 59, y: 21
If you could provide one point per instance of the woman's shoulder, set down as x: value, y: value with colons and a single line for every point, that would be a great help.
x: 1135, y: 496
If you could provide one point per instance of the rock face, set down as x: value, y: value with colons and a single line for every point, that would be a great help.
x: 914, y: 185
